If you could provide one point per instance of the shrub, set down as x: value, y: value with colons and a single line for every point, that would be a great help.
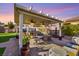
x: 70, y: 29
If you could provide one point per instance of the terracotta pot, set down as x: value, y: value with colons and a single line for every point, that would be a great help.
x: 24, y: 51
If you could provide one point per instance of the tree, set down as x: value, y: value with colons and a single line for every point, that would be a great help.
x: 10, y: 25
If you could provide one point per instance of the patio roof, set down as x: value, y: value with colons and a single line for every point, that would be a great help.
x: 33, y: 15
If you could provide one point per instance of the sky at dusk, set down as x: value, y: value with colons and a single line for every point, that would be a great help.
x: 60, y: 10
x: 6, y: 12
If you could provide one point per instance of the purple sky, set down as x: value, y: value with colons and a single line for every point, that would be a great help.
x: 6, y: 12
x: 61, y: 10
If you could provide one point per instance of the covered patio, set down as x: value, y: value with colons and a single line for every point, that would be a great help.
x: 28, y: 16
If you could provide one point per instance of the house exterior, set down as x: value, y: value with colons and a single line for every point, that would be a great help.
x: 73, y: 20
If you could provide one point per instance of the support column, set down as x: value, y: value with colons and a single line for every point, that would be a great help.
x: 20, y: 31
x: 60, y: 34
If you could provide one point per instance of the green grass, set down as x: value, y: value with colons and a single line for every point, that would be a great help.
x: 2, y: 51
x: 5, y: 36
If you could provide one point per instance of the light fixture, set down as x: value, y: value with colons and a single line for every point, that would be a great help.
x: 53, y: 17
x: 47, y: 14
x: 30, y: 8
x: 40, y: 11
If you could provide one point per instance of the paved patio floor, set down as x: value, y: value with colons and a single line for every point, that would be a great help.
x: 11, y: 47
x: 35, y: 49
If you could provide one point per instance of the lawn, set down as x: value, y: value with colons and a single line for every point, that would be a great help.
x: 2, y: 51
x: 5, y: 36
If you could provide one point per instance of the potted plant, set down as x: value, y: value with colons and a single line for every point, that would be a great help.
x: 24, y: 51
x: 25, y: 48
